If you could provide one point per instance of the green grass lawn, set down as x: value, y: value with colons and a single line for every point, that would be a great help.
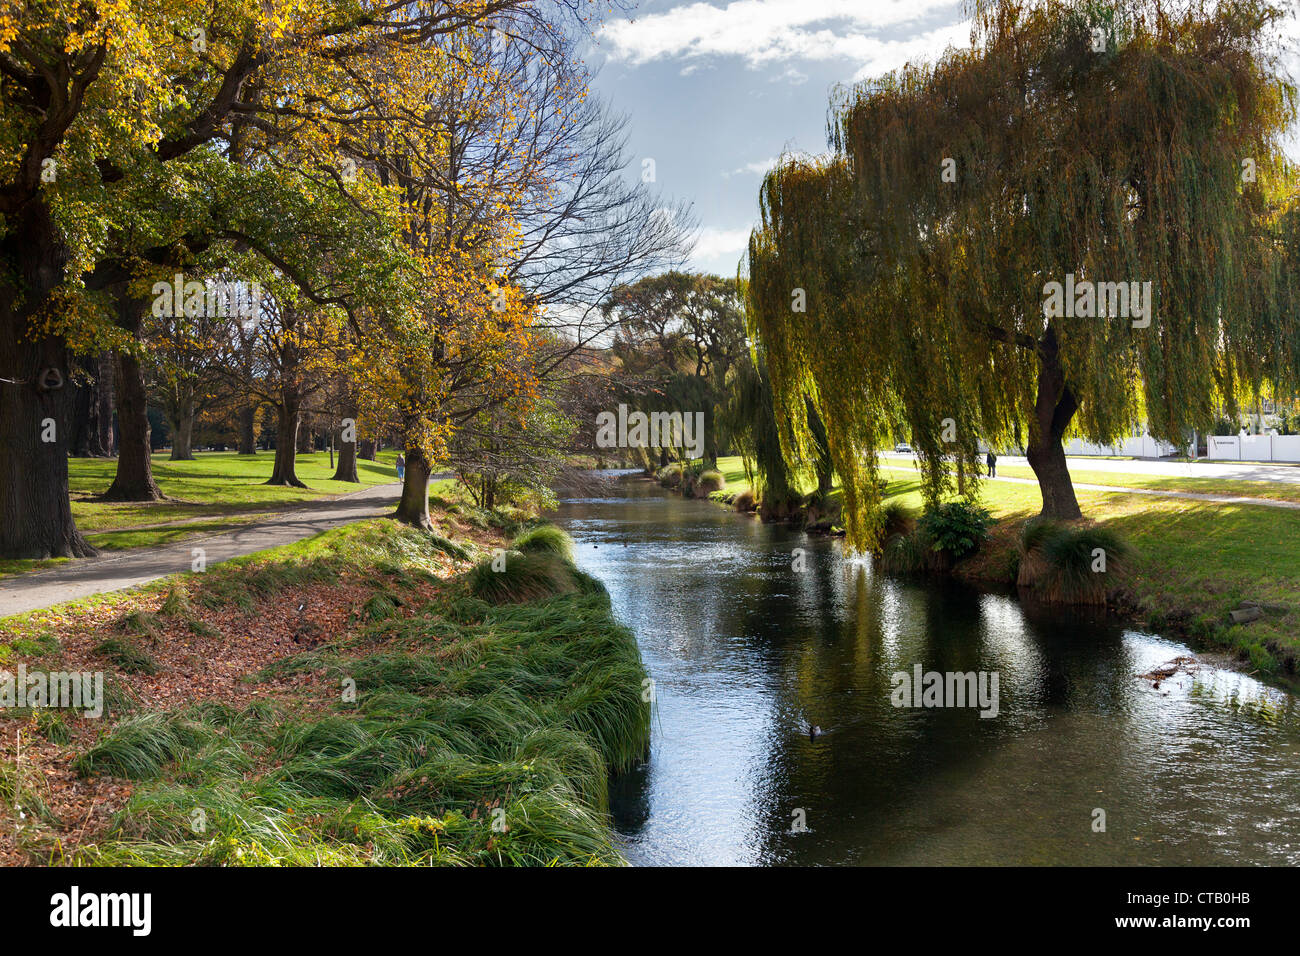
x: 215, y: 483
x: 1195, y: 560
x: 215, y: 492
x: 1272, y: 490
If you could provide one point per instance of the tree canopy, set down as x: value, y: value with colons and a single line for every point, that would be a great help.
x: 1074, y: 143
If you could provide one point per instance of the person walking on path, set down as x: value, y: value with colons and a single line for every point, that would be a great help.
x: 992, y: 462
x: 401, y: 467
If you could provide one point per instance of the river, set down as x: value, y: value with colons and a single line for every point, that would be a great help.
x: 1084, y: 763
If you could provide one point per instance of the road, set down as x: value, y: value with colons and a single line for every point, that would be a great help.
x: 112, y: 572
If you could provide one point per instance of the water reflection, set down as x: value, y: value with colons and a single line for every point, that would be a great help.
x: 747, y: 652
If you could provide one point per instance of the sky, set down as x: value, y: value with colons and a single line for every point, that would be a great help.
x: 717, y: 90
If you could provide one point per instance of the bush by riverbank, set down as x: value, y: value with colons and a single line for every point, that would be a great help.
x: 1189, y: 565
x: 345, y: 700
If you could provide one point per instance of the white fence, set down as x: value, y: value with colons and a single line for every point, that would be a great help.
x: 1254, y: 447
x: 1140, y: 446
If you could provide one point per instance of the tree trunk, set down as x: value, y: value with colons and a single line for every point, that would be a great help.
x: 367, y: 450
x: 347, y: 466
x: 35, y: 406
x: 1053, y: 409
x: 825, y: 482
x: 286, y: 443
x: 183, y: 437
x: 134, y: 478
x: 413, y: 509
x: 247, y: 435
x: 104, y: 445
x: 84, y: 427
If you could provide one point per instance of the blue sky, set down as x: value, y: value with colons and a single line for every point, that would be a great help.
x: 717, y: 90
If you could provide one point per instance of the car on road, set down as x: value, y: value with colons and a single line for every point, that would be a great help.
x: 903, y: 448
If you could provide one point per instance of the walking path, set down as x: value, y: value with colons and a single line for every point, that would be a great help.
x: 112, y: 572
x: 1164, y: 468
x: 1159, y: 493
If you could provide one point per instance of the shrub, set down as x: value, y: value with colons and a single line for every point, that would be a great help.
x: 744, y: 502
x: 711, y: 480
x: 670, y: 476
x: 956, y: 528
x: 1060, y: 561
x: 545, y: 539
x: 896, y: 518
x: 690, y: 479
x: 523, y: 577
x: 907, y: 554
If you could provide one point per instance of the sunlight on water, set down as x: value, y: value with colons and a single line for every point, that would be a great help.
x: 747, y: 653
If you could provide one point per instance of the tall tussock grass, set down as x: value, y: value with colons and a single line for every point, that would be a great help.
x: 1070, y: 563
x: 545, y: 539
x: 482, y: 734
x: 908, y: 553
x: 518, y: 576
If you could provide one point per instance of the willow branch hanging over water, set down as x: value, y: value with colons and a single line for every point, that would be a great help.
x: 1073, y: 224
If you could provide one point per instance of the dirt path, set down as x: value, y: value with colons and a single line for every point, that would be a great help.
x: 112, y: 572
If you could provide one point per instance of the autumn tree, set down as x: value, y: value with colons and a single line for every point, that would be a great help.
x: 516, y: 206
x: 108, y: 109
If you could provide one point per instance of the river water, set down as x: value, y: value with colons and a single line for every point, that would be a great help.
x: 746, y: 652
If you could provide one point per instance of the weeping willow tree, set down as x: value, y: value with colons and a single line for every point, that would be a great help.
x: 749, y: 420
x: 1087, y: 146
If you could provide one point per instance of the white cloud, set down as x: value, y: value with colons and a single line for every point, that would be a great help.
x: 713, y: 242
x: 888, y: 55
x: 769, y: 31
x: 793, y: 75
x: 753, y: 169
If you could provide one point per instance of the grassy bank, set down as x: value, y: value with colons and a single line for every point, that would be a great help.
x: 1193, y: 561
x: 357, y: 698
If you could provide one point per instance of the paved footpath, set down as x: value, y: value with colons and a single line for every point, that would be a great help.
x: 112, y: 572
x: 1160, y: 493
x: 1162, y: 467
x: 1156, y: 492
